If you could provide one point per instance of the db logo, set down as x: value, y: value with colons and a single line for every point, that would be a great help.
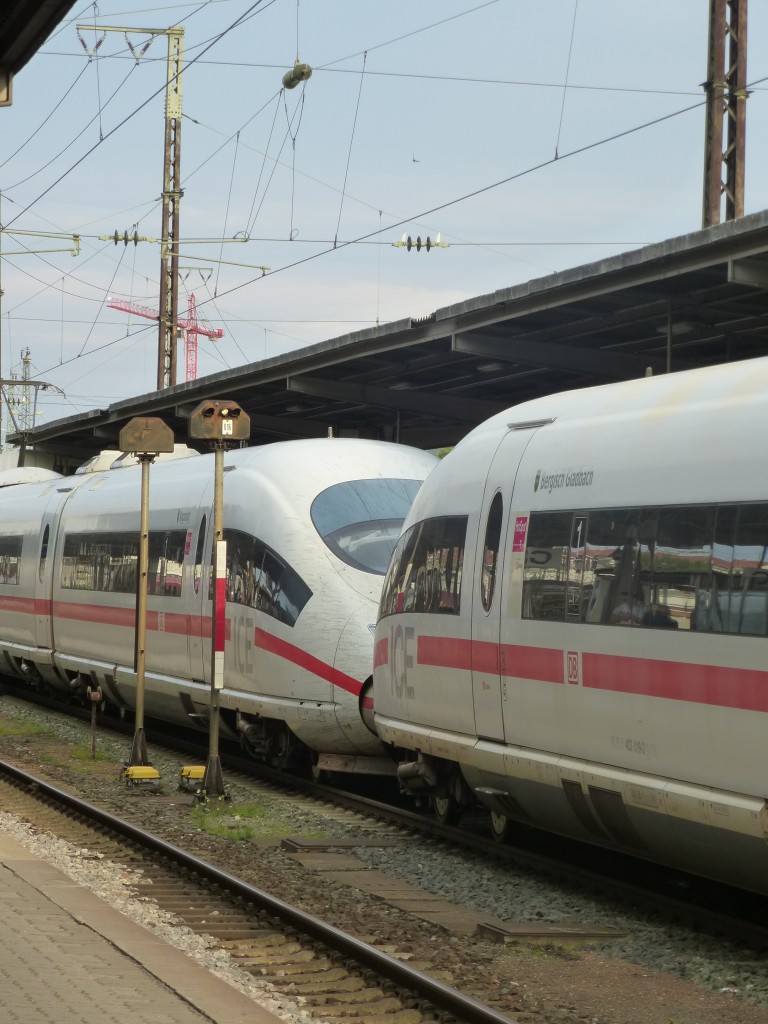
x: 572, y: 663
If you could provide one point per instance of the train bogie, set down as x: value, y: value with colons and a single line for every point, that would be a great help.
x: 579, y: 634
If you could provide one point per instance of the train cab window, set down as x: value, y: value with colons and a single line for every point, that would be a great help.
x: 10, y: 559
x: 258, y: 577
x: 491, y: 551
x: 426, y: 568
x: 360, y: 520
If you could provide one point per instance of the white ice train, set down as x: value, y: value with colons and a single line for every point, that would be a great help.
x: 574, y: 625
x: 310, y: 526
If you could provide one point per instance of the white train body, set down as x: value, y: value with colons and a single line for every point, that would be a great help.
x: 300, y: 608
x: 575, y: 621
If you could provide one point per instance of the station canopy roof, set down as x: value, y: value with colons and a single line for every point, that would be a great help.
x: 24, y: 27
x: 695, y: 300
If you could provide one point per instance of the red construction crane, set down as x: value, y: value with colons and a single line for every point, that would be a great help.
x: 189, y: 324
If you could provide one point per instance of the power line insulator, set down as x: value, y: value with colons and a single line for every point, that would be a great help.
x: 408, y: 243
x: 298, y: 73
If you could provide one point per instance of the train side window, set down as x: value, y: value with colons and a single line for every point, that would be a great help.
x: 426, y: 569
x: 613, y: 551
x: 738, y: 599
x: 545, y: 576
x: 676, y: 565
x: 491, y: 551
x: 166, y: 554
x: 43, y: 553
x: 10, y: 558
x: 198, y: 569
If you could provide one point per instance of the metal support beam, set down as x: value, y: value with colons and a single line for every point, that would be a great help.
x: 726, y: 91
x: 169, y: 255
x: 601, y: 363
x: 466, y: 410
x: 752, y: 271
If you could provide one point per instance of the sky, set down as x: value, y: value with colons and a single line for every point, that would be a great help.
x: 530, y: 138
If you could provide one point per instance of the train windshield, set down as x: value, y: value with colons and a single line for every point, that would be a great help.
x: 360, y: 520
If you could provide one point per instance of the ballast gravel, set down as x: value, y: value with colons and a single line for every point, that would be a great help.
x: 117, y: 887
x: 693, y: 978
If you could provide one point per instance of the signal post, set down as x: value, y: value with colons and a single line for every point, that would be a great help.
x: 146, y: 437
x: 222, y: 423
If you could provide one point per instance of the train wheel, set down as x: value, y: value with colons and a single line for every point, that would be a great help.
x: 319, y: 774
x: 280, y: 746
x: 447, y: 809
x: 501, y: 827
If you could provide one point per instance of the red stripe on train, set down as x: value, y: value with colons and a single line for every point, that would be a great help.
x: 746, y: 689
x: 25, y: 604
x: 484, y: 656
x: 717, y: 686
x: 184, y: 625
x: 268, y: 642
x: 157, y: 622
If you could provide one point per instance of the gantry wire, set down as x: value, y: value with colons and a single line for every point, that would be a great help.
x: 349, y: 152
x: 567, y: 74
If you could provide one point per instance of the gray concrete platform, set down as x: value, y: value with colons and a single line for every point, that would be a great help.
x: 69, y: 958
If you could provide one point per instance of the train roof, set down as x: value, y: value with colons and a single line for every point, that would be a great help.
x: 733, y: 386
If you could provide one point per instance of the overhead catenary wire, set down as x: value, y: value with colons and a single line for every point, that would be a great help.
x: 103, y: 301
x: 226, y: 211
x: 477, y: 192
x: 293, y: 135
x: 46, y: 119
x: 567, y: 74
x: 251, y: 218
x: 365, y: 240
x: 238, y: 21
x: 351, y: 141
x: 407, y: 35
x: 83, y: 130
x: 442, y: 206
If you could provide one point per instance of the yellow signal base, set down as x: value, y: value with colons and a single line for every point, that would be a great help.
x: 191, y: 776
x: 141, y: 773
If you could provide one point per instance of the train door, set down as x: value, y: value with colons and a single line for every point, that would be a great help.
x: 43, y: 586
x: 487, y: 594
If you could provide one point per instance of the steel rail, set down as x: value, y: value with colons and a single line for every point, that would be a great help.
x: 442, y: 996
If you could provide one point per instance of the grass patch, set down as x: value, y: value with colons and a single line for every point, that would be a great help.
x: 240, y: 821
x: 235, y: 821
x: 13, y: 728
x: 84, y: 754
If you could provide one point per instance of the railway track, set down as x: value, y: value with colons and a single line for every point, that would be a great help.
x: 465, y: 963
x: 689, y: 900
x: 333, y: 973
